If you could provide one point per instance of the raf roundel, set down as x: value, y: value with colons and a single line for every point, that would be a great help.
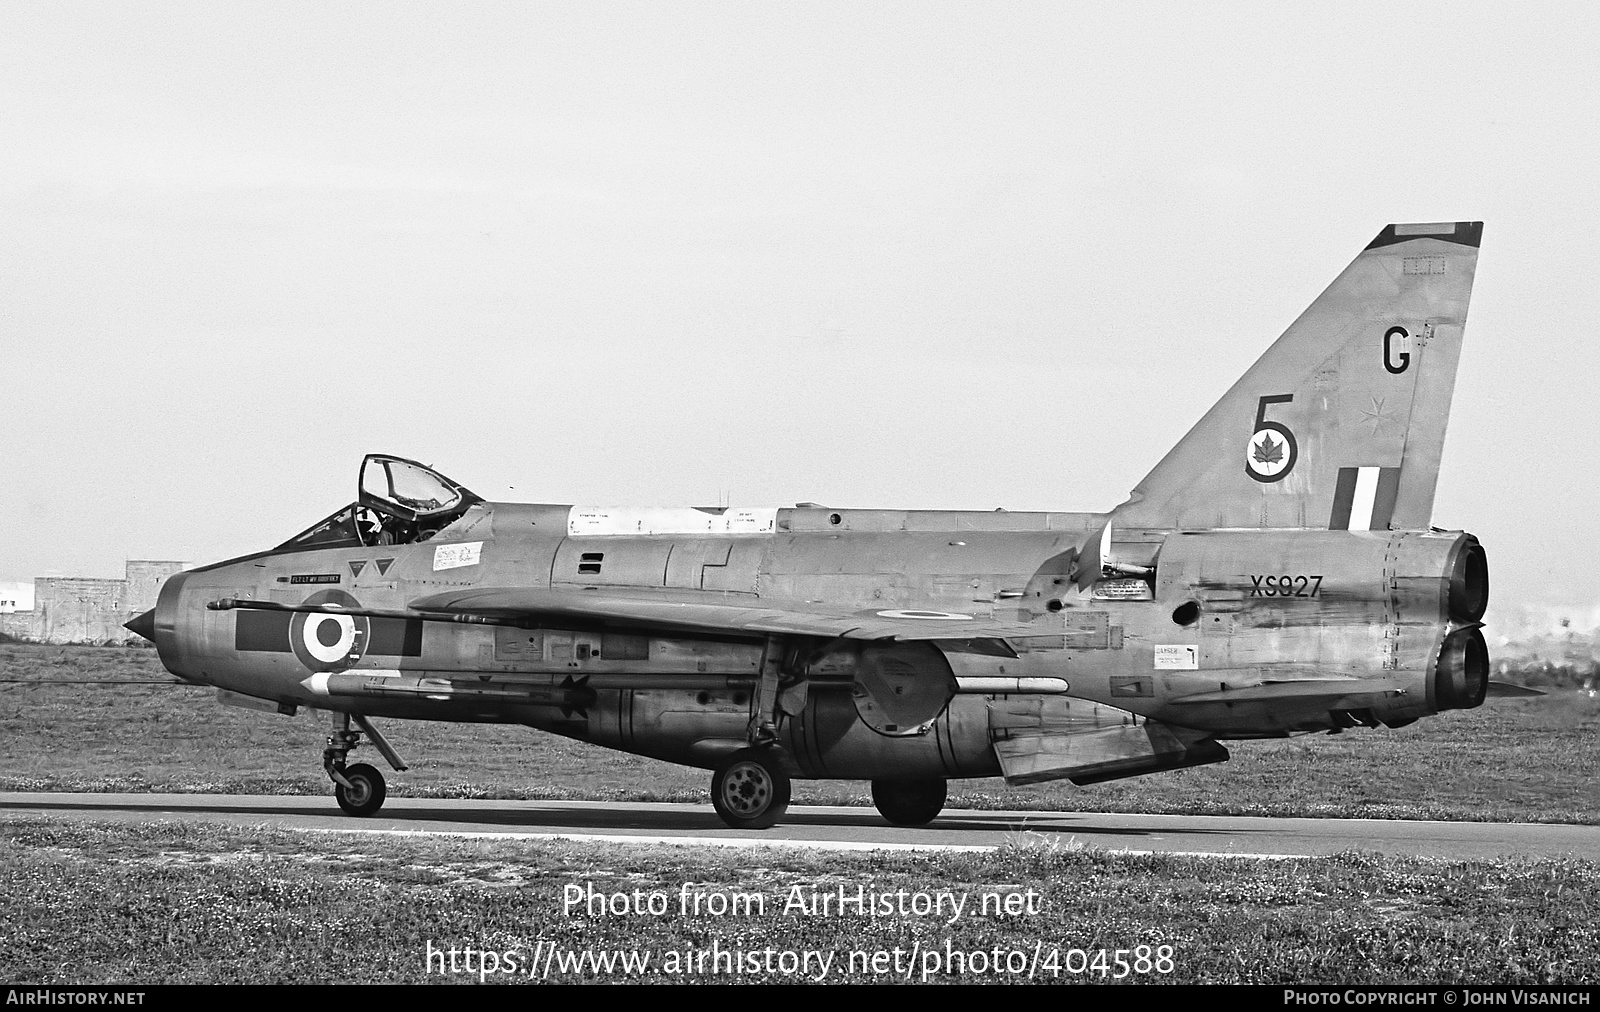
x: 327, y: 642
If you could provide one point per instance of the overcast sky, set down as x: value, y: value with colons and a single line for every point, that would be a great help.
x: 867, y: 254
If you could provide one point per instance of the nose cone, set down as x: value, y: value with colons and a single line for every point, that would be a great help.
x: 144, y: 625
x: 160, y: 625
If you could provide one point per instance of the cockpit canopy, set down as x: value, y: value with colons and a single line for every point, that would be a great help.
x: 406, y: 489
x: 400, y: 502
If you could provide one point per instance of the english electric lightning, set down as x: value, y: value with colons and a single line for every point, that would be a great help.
x: 1276, y: 573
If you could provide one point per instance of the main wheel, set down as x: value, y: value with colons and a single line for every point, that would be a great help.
x: 366, y: 791
x: 750, y: 790
x: 909, y: 802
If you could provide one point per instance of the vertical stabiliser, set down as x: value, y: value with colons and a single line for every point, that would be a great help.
x: 1340, y: 425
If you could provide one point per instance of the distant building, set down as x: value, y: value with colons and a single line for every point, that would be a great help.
x: 144, y: 583
x: 16, y: 610
x: 71, y: 609
x: 15, y: 597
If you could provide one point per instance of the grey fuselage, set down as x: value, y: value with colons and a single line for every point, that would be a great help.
x: 1230, y: 634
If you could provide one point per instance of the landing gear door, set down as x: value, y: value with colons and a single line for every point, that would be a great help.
x: 408, y: 490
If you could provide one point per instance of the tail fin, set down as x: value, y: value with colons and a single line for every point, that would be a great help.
x: 1340, y: 425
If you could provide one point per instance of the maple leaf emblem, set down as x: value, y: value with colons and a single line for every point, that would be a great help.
x: 1268, y: 452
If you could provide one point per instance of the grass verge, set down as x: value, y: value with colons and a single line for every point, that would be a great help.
x: 189, y: 903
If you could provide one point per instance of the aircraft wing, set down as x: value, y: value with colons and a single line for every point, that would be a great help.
x: 531, y: 605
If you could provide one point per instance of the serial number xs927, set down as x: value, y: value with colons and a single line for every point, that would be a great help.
x: 1285, y: 586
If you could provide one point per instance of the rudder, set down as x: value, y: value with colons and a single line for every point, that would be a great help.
x: 1341, y: 423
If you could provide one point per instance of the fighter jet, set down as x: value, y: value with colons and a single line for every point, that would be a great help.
x: 1275, y: 574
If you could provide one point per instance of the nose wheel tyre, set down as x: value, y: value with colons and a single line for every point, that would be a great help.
x: 366, y: 791
x: 750, y: 790
x: 909, y: 802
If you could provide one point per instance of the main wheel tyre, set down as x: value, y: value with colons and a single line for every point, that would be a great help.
x: 909, y: 802
x: 366, y: 791
x: 750, y: 790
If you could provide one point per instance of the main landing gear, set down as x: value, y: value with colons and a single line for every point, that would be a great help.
x: 750, y: 789
x: 909, y: 802
x: 360, y: 789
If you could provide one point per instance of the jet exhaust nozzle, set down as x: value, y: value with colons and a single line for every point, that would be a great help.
x: 1461, y: 672
x: 1469, y: 582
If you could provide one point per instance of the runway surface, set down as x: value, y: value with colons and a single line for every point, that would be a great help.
x: 836, y: 828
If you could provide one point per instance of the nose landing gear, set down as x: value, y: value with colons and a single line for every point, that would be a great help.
x: 359, y: 789
x: 362, y: 791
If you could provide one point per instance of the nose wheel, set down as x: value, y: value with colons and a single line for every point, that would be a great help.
x: 365, y: 792
x: 359, y: 789
x: 750, y: 789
